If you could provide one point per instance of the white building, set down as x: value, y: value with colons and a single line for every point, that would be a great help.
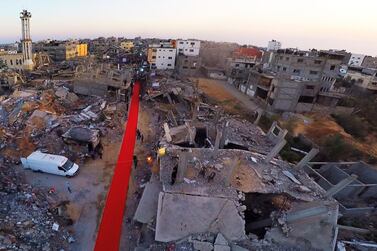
x: 188, y: 47
x: 162, y: 56
x: 356, y: 59
x: 165, y: 58
x: 273, y: 45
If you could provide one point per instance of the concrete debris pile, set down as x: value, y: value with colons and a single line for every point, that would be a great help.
x: 38, y: 119
x: 221, y: 177
x: 29, y: 219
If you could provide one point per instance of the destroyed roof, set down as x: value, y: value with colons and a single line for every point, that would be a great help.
x: 82, y: 134
x: 250, y: 174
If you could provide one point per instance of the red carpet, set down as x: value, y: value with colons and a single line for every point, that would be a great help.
x: 110, y: 229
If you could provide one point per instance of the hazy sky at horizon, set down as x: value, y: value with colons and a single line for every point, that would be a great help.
x: 321, y: 24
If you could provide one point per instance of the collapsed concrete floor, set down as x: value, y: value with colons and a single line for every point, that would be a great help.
x: 220, y: 188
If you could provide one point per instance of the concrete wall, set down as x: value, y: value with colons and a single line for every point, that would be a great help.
x: 89, y: 88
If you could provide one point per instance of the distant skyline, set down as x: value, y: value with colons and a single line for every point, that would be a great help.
x: 306, y: 24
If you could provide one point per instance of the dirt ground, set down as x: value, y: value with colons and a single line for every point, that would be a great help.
x: 133, y: 233
x: 232, y: 100
x: 320, y: 126
x: 88, y: 192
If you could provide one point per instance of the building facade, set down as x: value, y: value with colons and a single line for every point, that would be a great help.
x: 273, y: 45
x: 322, y: 66
x: 369, y: 62
x: 363, y: 78
x: 127, y: 45
x: 188, y: 65
x: 61, y: 51
x: 12, y: 59
x: 162, y: 56
x: 356, y: 59
x: 188, y: 47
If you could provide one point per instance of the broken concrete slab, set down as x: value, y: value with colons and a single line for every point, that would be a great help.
x: 220, y: 240
x: 180, y: 215
x: 147, y: 207
x: 221, y: 248
x: 202, y: 245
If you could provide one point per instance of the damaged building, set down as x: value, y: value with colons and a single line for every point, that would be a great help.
x: 222, y: 186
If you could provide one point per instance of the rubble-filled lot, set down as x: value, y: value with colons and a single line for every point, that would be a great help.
x: 30, y: 217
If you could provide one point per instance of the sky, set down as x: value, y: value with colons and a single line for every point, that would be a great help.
x: 305, y: 24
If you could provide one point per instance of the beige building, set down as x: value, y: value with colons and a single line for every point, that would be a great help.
x: 127, y: 45
x: 364, y: 78
x: 12, y: 60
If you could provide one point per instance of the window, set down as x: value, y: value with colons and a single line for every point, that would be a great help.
x: 278, y: 67
x: 170, y: 58
x: 313, y: 72
x: 169, y: 64
x: 192, y: 43
x: 236, y: 65
x: 170, y: 50
x: 300, y: 60
x: 184, y: 67
x: 332, y: 67
x: 296, y: 71
x: 191, y: 50
x: 16, y: 61
x: 306, y: 99
x: 284, y: 68
x: 281, y: 57
x: 11, y: 62
x: 153, y: 57
x: 287, y: 58
x: 317, y: 61
x: 181, y: 50
x: 181, y: 42
x: 193, y: 68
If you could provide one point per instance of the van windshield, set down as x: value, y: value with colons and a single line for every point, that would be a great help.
x: 67, y: 165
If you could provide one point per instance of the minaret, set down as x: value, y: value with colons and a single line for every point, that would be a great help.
x: 26, y: 40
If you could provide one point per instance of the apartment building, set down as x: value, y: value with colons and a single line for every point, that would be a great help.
x: 60, y: 51
x: 356, y: 59
x: 321, y: 66
x: 162, y: 56
x: 242, y: 60
x: 363, y: 77
x: 188, y: 65
x: 273, y: 45
x: 188, y: 47
x: 369, y: 62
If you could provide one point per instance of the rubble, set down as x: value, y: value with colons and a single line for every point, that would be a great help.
x: 28, y: 216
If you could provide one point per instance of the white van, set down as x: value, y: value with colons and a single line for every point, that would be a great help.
x: 49, y: 163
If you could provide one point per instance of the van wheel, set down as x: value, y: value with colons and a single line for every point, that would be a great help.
x: 37, y: 171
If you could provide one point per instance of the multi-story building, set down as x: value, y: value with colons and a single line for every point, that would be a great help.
x: 162, y: 56
x: 362, y: 77
x: 356, y: 59
x: 60, y: 51
x: 273, y: 45
x: 82, y: 50
x: 369, y: 62
x: 188, y: 65
x: 188, y: 47
x: 242, y: 60
x: 321, y: 66
x: 12, y: 59
x: 127, y: 45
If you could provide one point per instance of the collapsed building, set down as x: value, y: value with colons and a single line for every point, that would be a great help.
x: 222, y: 186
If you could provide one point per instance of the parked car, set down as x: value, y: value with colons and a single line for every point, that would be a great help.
x: 49, y: 163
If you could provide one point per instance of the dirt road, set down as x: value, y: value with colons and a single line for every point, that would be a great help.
x: 87, y: 191
x: 227, y: 95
